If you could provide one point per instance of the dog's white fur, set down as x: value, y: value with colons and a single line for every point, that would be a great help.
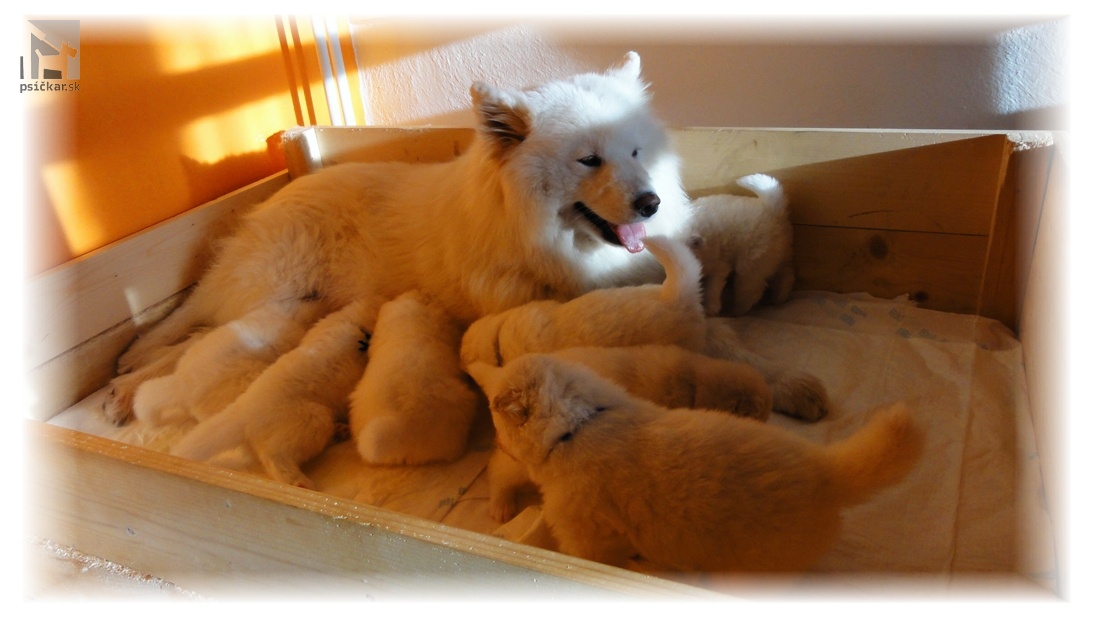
x: 283, y: 420
x: 414, y: 404
x: 745, y: 245
x: 683, y: 489
x: 216, y: 369
x: 664, y: 374
x: 557, y: 180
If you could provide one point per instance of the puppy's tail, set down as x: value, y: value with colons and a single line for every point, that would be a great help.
x: 225, y: 430
x: 877, y: 456
x: 768, y: 189
x: 682, y: 271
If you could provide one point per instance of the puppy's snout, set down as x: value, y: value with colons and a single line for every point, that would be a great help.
x: 646, y: 204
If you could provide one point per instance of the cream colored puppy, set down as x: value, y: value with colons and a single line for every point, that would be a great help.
x: 284, y: 419
x: 218, y: 367
x: 670, y: 313
x: 666, y: 314
x: 667, y: 375
x: 414, y: 405
x: 623, y: 478
x: 745, y: 245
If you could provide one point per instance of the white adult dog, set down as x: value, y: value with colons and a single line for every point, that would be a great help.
x: 552, y: 199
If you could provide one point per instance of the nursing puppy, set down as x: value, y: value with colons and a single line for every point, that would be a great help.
x: 551, y: 199
x: 663, y: 374
x: 666, y: 314
x: 282, y: 420
x: 746, y: 246
x: 219, y: 366
x: 414, y: 405
x: 683, y: 490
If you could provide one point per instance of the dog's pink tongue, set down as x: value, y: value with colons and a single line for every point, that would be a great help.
x: 632, y: 236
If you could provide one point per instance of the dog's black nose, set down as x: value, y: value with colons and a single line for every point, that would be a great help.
x: 646, y: 204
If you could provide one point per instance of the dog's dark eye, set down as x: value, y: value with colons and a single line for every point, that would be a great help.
x: 591, y: 161
x: 635, y: 153
x: 566, y: 437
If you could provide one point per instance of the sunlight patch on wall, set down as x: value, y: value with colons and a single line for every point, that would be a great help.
x: 181, y: 48
x: 63, y: 184
x: 244, y: 129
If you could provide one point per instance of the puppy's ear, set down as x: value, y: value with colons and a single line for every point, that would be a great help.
x: 631, y: 67
x: 504, y: 118
x: 511, y: 405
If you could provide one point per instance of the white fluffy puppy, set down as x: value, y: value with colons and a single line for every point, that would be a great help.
x: 664, y: 374
x: 745, y: 245
x: 216, y: 369
x: 623, y: 478
x: 670, y: 314
x: 414, y: 405
x: 283, y: 420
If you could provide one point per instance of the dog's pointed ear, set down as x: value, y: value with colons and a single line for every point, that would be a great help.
x: 504, y: 119
x: 631, y: 67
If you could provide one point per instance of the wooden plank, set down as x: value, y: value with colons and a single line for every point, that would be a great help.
x: 408, y: 145
x: 947, y: 188
x: 938, y: 271
x: 950, y: 187
x: 223, y: 533
x: 74, y: 302
x: 72, y: 376
x: 301, y: 150
x: 715, y: 155
x: 1010, y: 246
x: 1033, y: 183
x: 912, y: 181
x: 1044, y: 331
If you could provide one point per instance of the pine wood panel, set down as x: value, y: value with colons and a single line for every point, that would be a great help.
x: 317, y: 147
x: 223, y: 533
x: 938, y: 271
x: 88, y: 295
x: 948, y: 187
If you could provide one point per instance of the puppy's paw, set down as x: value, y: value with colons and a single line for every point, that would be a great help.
x: 756, y: 406
x: 503, y: 507
x: 801, y: 396
x: 118, y: 405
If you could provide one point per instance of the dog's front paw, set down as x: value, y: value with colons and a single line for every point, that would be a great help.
x: 801, y: 396
x: 118, y: 405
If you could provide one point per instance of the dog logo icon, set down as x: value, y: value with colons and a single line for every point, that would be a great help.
x: 54, y: 50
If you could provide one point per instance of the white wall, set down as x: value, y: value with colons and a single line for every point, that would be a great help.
x: 722, y: 72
